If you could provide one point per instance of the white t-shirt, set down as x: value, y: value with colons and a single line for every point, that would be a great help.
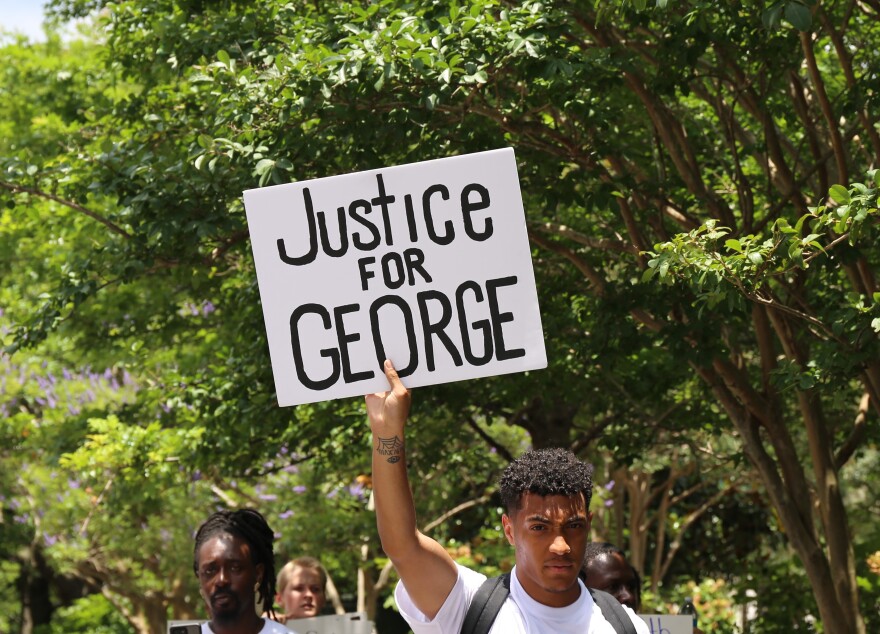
x: 269, y: 627
x: 520, y: 614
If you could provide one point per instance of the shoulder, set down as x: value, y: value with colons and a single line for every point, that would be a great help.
x: 451, y: 614
x: 273, y: 627
x: 639, y: 622
x: 640, y: 626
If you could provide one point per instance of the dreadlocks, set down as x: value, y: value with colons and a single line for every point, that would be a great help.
x: 251, y: 526
x: 545, y: 472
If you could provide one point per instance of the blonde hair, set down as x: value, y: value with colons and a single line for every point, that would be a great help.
x: 310, y: 563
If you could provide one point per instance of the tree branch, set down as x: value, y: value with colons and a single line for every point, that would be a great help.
x: 19, y: 189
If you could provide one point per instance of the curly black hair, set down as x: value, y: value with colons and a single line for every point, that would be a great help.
x: 251, y: 526
x: 553, y: 471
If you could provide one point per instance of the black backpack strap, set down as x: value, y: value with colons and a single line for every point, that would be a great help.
x: 485, y: 605
x: 613, y: 612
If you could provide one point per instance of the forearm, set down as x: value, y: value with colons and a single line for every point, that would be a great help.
x: 392, y: 495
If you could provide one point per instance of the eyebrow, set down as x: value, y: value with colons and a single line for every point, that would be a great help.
x: 546, y: 520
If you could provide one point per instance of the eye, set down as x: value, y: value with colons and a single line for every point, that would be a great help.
x: 208, y: 572
x: 235, y: 567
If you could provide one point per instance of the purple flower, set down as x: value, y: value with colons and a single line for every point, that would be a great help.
x: 72, y: 484
x: 268, y: 497
x: 49, y: 540
x: 208, y: 308
x: 299, y: 488
x: 610, y: 485
x: 609, y: 502
x: 285, y: 515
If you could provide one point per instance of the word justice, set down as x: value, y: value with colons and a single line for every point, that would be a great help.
x: 367, y: 235
x: 451, y: 331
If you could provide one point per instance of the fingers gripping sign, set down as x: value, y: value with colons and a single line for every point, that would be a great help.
x: 388, y: 412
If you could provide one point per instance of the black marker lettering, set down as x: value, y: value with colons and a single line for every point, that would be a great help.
x: 481, y: 325
x: 437, y: 329
x: 310, y: 255
x: 449, y: 236
x: 467, y: 207
x: 499, y: 318
x: 329, y: 353
x: 410, y: 333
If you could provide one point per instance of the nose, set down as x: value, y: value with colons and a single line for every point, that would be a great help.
x: 560, y: 546
x: 625, y: 596
x: 222, y: 576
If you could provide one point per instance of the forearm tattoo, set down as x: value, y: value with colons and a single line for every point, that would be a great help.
x: 392, y: 448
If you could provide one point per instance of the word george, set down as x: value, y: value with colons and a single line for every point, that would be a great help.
x: 469, y: 293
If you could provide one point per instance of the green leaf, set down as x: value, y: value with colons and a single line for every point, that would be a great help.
x: 223, y: 56
x: 772, y: 16
x: 733, y: 245
x: 756, y: 258
x: 263, y: 166
x: 798, y: 16
x: 839, y: 194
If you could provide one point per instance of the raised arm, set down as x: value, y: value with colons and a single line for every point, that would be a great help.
x: 427, y: 571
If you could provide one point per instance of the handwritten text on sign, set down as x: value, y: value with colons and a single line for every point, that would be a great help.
x: 427, y: 264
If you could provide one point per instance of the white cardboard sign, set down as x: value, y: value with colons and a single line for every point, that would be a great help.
x: 669, y: 623
x: 350, y: 623
x: 427, y: 264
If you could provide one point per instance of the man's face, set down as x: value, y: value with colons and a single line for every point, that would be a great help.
x: 227, y: 577
x: 303, y: 596
x: 610, y: 572
x: 549, y: 535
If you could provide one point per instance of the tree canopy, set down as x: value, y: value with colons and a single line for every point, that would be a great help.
x: 701, y: 194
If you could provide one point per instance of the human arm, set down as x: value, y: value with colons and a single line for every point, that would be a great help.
x: 427, y: 571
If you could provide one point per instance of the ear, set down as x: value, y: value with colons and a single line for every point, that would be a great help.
x: 508, y: 529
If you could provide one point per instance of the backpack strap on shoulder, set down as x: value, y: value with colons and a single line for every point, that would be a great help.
x: 486, y: 604
x: 613, y: 612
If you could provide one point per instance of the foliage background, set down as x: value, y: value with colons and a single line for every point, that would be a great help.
x: 666, y: 153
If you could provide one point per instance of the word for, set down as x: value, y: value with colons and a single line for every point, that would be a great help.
x: 456, y: 339
x: 367, y: 235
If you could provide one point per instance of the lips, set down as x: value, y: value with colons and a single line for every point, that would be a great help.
x: 559, y: 565
x: 219, y: 598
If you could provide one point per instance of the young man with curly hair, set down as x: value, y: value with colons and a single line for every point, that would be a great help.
x: 546, y: 495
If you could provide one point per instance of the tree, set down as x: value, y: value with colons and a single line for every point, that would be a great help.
x: 667, y: 158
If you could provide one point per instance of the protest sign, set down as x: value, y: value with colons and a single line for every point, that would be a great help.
x: 427, y: 264
x: 669, y: 623
x: 350, y: 623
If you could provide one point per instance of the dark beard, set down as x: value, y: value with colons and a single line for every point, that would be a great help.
x: 228, y: 612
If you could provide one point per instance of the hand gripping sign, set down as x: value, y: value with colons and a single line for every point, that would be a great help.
x: 426, y: 264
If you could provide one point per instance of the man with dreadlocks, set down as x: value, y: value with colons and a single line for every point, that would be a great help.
x: 546, y: 494
x: 235, y: 565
